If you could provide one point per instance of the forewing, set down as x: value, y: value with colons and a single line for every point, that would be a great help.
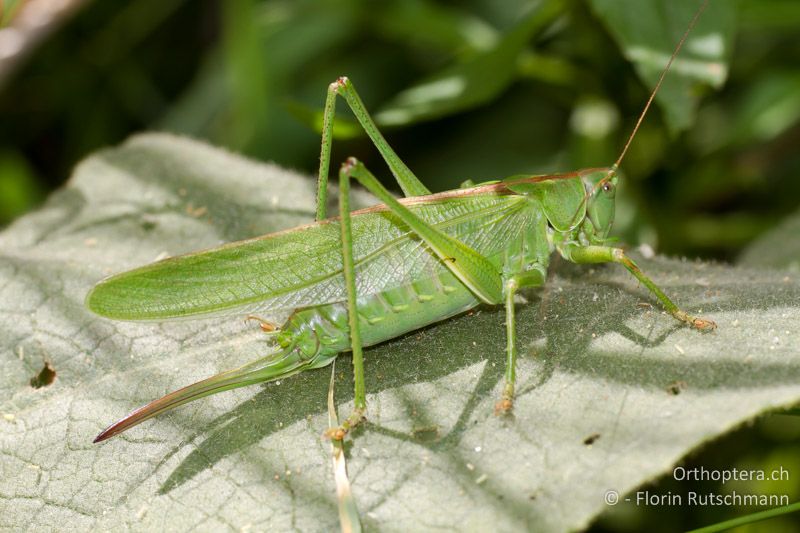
x: 303, y: 266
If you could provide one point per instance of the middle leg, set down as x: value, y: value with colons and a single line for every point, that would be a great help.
x: 530, y: 278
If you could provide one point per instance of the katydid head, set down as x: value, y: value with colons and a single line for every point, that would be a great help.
x: 601, y: 188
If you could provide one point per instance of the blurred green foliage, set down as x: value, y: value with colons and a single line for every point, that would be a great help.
x: 477, y: 89
x: 252, y: 75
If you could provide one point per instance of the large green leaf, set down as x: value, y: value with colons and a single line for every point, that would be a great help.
x: 472, y: 82
x: 597, y: 408
x: 648, y: 32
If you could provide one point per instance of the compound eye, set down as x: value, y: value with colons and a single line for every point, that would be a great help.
x: 607, y: 187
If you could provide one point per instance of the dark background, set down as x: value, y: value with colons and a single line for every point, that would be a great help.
x: 251, y: 76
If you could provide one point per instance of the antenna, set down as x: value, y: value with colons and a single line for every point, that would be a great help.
x: 658, y: 85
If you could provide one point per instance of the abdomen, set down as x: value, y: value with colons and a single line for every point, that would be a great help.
x: 382, y: 316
